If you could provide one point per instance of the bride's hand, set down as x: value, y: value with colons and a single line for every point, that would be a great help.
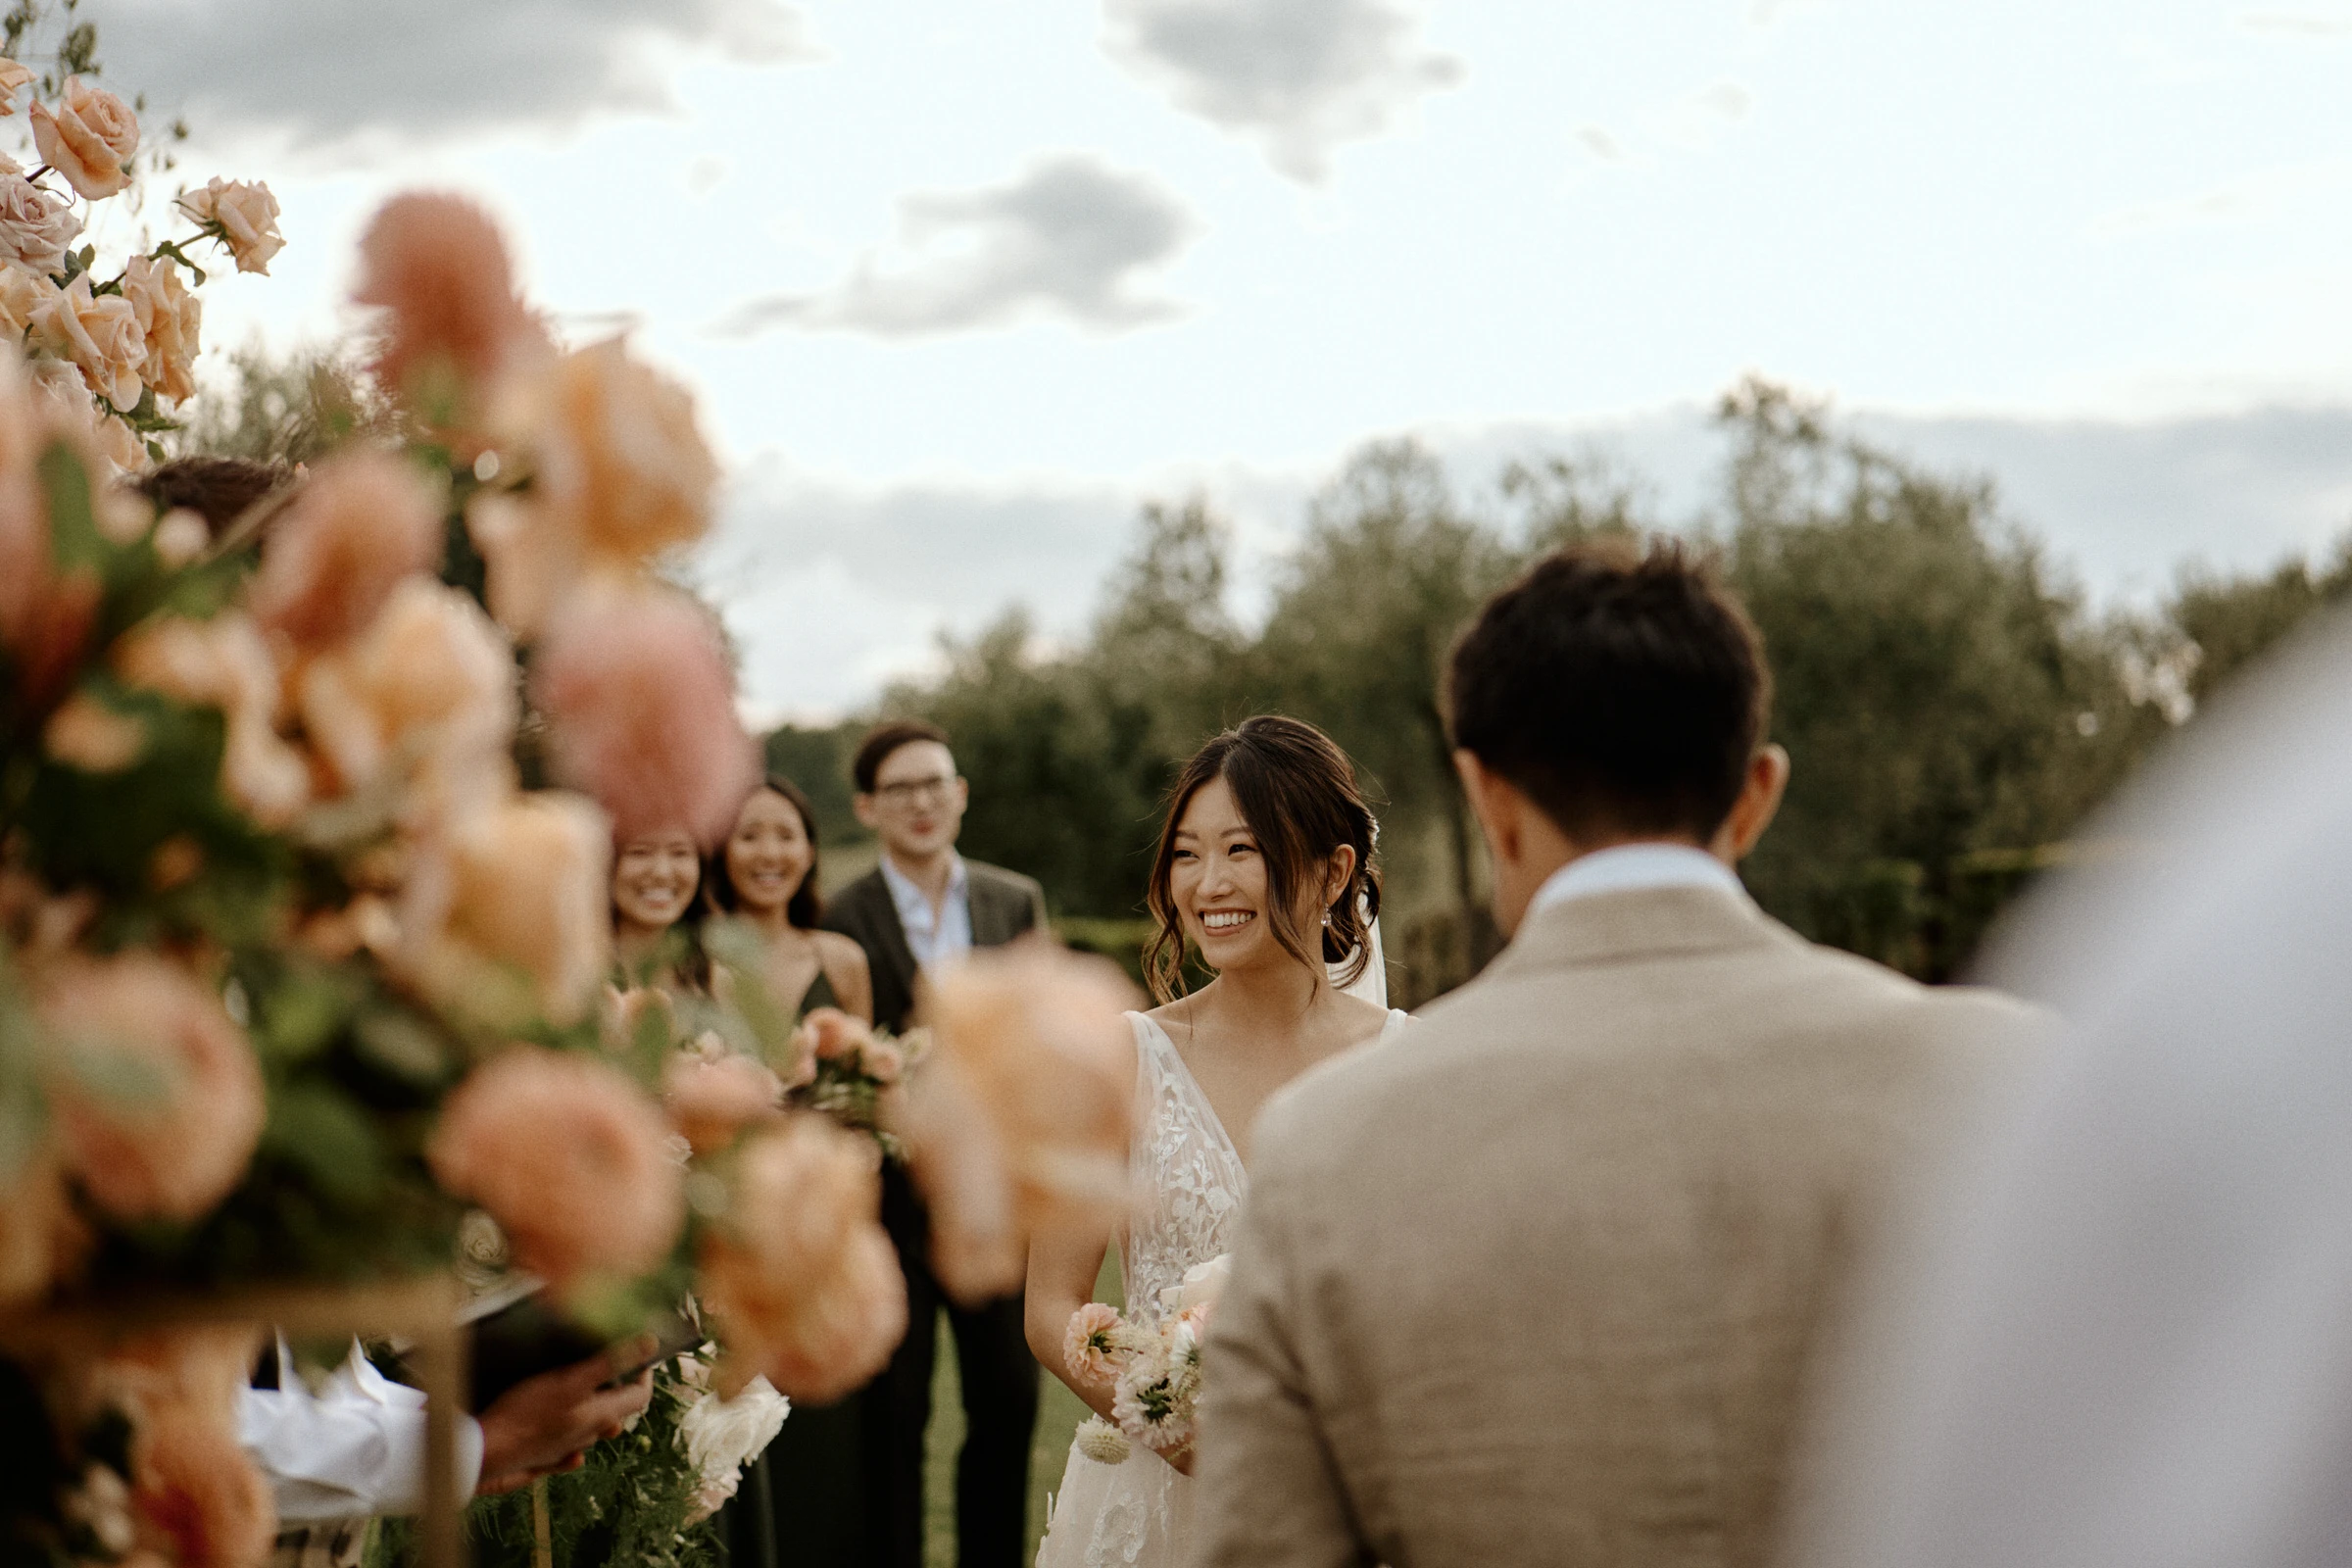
x: 1182, y: 1459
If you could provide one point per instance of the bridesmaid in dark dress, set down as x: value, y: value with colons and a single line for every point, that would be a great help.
x: 799, y: 1505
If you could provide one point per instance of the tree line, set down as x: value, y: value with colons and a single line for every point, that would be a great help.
x: 1953, y: 705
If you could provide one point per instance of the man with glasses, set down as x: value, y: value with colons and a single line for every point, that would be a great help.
x: 922, y: 907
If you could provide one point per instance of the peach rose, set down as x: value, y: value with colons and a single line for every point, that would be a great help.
x: 85, y: 733
x: 172, y: 1154
x: 197, y: 1494
x: 506, y: 909
x: 1021, y: 1116
x: 641, y: 713
x: 712, y: 1099
x: 242, y: 215
x: 619, y: 474
x: 800, y: 1276
x: 427, y: 689
x: 98, y: 335
x: 14, y: 78
x: 89, y: 137
x: 224, y: 662
x: 362, y: 522
x: 569, y: 1157
x: 36, y: 227
x: 454, y: 323
x: 21, y: 294
x: 170, y: 321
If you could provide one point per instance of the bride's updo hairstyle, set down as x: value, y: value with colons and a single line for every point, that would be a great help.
x: 1298, y: 794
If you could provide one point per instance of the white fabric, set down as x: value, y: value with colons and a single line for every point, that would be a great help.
x: 2127, y: 1341
x: 1189, y: 1185
x: 1632, y: 867
x: 1373, y: 984
x: 355, y: 1449
x: 934, y: 935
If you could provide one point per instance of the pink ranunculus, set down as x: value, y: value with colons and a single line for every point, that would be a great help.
x: 712, y: 1099
x: 800, y: 1278
x: 1088, y: 1346
x: 362, y: 521
x: 89, y: 137
x: 641, y: 713
x: 569, y: 1157
x: 436, y: 265
x: 172, y: 1154
x: 883, y: 1061
x: 1020, y: 1118
x: 833, y: 1034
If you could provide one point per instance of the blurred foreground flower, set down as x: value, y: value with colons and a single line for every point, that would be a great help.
x: 641, y: 713
x: 619, y: 472
x: 41, y: 1237
x: 197, y: 1500
x: 1021, y: 1118
x: 713, y: 1098
x: 454, y: 325
x: 224, y: 662
x: 157, y: 1094
x: 569, y: 1155
x: 361, y: 523
x: 800, y: 1277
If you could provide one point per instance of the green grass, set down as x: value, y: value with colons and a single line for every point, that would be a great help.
x: 1058, y: 1412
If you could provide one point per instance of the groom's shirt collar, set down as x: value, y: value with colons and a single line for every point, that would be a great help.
x: 1626, y: 867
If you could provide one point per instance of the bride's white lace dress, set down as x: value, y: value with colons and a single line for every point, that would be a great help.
x: 1190, y: 1183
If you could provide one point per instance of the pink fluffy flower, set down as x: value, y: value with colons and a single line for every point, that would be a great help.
x: 641, y: 713
x: 1089, y: 1345
x: 801, y: 1278
x: 454, y: 321
x: 569, y: 1157
x: 363, y: 522
x: 171, y: 1153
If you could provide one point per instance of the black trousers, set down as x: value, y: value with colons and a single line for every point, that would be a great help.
x: 999, y: 1410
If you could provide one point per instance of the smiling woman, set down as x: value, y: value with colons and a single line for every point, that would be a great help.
x: 654, y: 877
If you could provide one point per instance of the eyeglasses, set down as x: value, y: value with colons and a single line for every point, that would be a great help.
x: 908, y: 791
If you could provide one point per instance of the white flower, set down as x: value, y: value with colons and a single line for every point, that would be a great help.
x: 722, y: 1436
x: 1103, y: 1442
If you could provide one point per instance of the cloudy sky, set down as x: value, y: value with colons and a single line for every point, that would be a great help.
x: 961, y: 280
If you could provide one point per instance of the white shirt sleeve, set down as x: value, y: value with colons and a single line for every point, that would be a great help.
x: 356, y: 1448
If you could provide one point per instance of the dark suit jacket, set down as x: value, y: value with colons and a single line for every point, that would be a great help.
x: 1005, y: 905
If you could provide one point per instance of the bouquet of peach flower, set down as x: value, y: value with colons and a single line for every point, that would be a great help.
x: 117, y: 338
x: 847, y: 1069
x: 1150, y: 1366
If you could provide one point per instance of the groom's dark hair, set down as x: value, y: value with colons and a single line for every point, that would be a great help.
x: 1619, y: 685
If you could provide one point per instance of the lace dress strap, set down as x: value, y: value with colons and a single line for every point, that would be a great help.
x: 1187, y: 1173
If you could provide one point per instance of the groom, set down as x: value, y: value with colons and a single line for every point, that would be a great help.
x: 1539, y: 1282
x: 924, y: 907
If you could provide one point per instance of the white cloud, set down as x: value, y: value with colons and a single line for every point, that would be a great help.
x: 345, y: 79
x: 1299, y: 77
x: 1070, y: 237
x: 2300, y: 23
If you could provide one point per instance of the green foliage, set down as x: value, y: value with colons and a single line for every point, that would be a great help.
x: 818, y: 761
x: 280, y: 407
x: 2233, y: 622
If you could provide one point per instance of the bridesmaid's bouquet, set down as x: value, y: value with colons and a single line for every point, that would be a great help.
x: 1150, y: 1366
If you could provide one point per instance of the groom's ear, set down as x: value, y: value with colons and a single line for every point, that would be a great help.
x: 1758, y: 802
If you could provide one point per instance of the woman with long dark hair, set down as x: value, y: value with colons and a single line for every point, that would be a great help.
x: 1265, y: 875
x: 765, y: 873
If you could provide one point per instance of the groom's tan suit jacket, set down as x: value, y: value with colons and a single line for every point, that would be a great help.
x: 1540, y: 1280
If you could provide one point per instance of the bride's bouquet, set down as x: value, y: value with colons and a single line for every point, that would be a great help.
x: 1150, y: 1366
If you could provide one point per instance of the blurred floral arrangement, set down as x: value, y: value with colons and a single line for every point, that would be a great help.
x: 305, y: 826
x: 126, y: 344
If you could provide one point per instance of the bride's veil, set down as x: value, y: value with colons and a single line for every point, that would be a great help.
x: 1373, y: 984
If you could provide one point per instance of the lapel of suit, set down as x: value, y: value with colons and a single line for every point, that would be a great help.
x: 883, y: 913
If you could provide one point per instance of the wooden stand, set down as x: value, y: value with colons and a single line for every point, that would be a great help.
x: 421, y: 1310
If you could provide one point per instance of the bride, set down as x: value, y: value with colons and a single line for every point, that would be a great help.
x: 1265, y: 869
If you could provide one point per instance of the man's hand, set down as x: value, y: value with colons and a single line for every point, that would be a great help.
x: 548, y: 1423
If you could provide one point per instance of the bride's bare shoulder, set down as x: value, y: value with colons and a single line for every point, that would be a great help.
x: 1359, y: 1020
